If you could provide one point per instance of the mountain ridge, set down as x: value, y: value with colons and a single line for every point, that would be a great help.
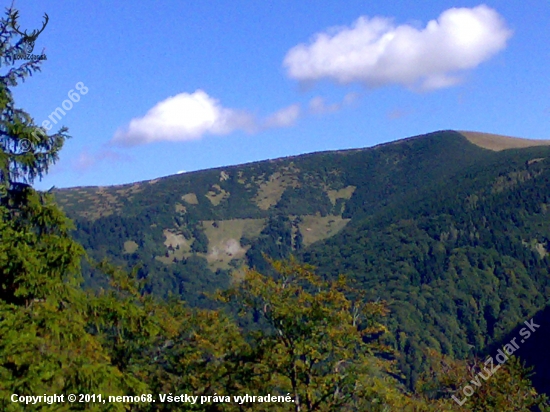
x: 481, y: 139
x: 454, y: 235
x: 497, y: 142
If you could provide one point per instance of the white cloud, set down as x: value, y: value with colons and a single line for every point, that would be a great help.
x: 376, y: 52
x: 350, y: 98
x: 183, y: 117
x: 285, y: 117
x: 317, y: 105
x: 396, y: 114
x: 87, y: 159
x: 84, y: 161
x: 191, y: 116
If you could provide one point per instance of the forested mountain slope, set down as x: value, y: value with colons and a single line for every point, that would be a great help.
x: 451, y: 228
x: 463, y: 261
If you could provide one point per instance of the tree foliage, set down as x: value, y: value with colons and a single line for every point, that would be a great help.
x: 319, y: 339
x: 26, y: 150
x: 316, y: 343
x: 495, y: 387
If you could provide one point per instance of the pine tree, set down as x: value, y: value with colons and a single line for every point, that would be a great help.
x: 55, y: 337
x: 26, y: 150
x: 44, y: 344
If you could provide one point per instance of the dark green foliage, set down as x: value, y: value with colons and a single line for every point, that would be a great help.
x: 200, y: 244
x: 26, y: 150
x: 298, y: 241
x: 457, y: 258
x: 275, y: 241
x: 449, y: 233
x: 533, y: 350
x: 305, y: 200
x: 311, y: 335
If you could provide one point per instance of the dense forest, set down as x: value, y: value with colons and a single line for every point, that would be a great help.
x: 452, y: 235
x: 366, y: 280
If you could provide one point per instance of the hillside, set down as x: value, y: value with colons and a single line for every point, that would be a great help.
x: 497, y: 142
x: 450, y: 227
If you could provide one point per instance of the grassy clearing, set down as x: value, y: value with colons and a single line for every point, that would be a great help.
x: 270, y: 191
x: 217, y: 195
x: 232, y: 229
x: 344, y: 193
x: 190, y: 198
x: 497, y: 142
x: 316, y: 228
x: 176, y: 247
x: 174, y: 240
x: 130, y: 246
x: 180, y: 208
x: 95, y: 202
x: 128, y: 190
x: 224, y: 239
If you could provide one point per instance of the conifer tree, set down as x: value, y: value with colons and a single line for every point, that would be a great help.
x: 26, y: 150
x: 44, y: 343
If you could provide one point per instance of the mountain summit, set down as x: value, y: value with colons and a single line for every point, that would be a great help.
x: 498, y: 142
x: 450, y: 227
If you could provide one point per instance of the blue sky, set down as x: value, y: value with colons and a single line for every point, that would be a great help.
x: 187, y: 85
